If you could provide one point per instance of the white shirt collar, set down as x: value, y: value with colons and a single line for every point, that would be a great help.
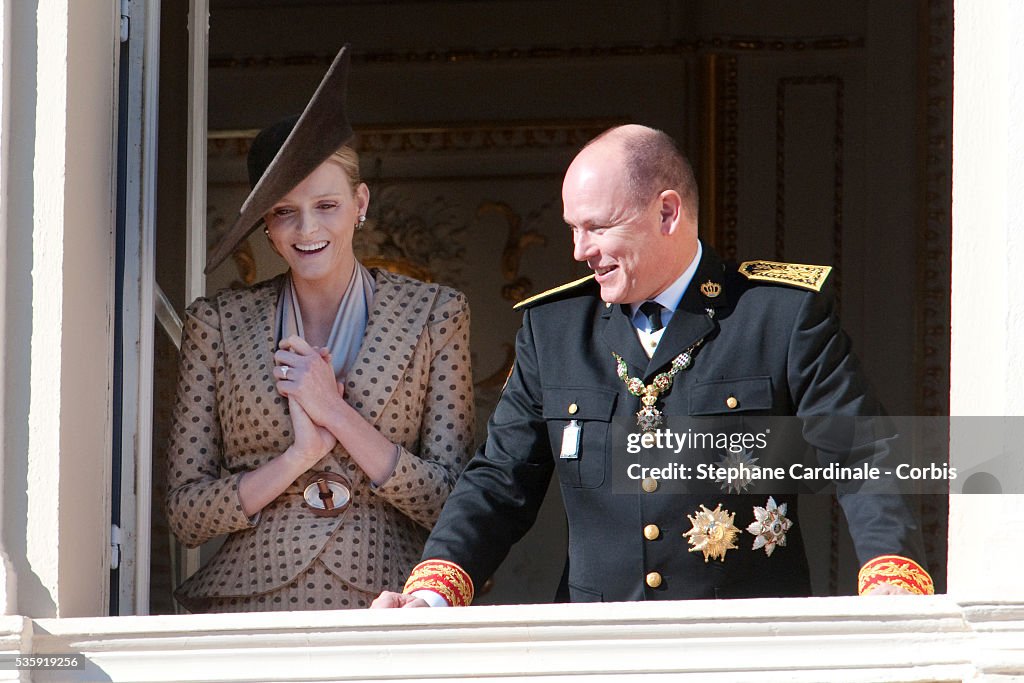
x: 673, y: 294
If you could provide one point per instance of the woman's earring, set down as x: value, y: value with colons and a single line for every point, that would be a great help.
x: 361, y: 223
x: 266, y: 231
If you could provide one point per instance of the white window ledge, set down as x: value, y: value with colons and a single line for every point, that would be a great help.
x: 814, y: 639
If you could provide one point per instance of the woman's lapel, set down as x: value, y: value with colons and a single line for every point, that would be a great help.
x: 248, y: 315
x: 398, y: 318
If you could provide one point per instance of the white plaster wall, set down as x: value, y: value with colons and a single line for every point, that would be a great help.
x: 7, y: 589
x: 44, y: 414
x: 87, y: 340
x: 58, y: 304
x: 987, y: 364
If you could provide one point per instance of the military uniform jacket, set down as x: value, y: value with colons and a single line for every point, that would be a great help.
x: 777, y: 349
x: 411, y: 380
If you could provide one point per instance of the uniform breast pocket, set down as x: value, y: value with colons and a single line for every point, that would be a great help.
x: 727, y: 396
x: 579, y: 426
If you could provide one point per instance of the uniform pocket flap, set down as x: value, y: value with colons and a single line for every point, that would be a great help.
x: 581, y: 594
x: 579, y: 403
x: 726, y: 396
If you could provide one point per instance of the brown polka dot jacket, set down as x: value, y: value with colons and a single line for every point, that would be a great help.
x: 411, y: 380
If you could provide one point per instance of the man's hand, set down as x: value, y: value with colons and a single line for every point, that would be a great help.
x: 388, y: 600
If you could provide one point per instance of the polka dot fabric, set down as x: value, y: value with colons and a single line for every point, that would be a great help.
x: 315, y: 588
x: 411, y: 380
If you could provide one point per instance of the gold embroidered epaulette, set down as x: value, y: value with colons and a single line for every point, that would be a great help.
x: 795, y: 274
x: 553, y: 290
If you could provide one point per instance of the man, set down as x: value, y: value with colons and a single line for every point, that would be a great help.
x: 713, y: 342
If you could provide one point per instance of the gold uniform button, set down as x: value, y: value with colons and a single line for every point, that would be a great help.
x: 731, y: 402
x: 573, y: 408
x: 654, y: 579
x: 649, y: 484
x: 651, y: 532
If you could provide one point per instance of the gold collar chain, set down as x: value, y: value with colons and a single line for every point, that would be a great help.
x: 649, y: 418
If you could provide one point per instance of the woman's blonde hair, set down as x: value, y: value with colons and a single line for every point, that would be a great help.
x: 348, y: 159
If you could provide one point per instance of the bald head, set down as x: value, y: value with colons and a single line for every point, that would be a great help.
x: 630, y: 199
x: 651, y: 163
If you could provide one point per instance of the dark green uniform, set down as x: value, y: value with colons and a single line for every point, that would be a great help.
x: 768, y: 349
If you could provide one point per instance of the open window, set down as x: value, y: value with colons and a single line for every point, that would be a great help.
x: 463, y: 144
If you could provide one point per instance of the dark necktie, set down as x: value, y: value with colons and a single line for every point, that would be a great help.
x: 652, y: 309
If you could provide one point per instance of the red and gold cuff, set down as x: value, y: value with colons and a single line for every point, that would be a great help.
x: 447, y: 579
x: 897, y: 570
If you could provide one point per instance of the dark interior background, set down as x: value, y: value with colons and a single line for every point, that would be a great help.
x: 820, y: 133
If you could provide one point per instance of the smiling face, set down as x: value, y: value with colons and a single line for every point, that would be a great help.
x: 636, y: 251
x: 311, y: 227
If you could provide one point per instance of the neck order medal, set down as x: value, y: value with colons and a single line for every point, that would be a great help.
x: 649, y: 418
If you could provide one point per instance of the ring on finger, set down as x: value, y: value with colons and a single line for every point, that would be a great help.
x: 284, y: 371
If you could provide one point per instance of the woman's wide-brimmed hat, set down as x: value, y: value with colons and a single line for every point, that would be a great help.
x: 284, y: 154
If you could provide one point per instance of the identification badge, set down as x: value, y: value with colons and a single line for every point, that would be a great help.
x: 571, y: 440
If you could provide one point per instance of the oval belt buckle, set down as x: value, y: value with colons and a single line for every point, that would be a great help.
x: 326, y: 494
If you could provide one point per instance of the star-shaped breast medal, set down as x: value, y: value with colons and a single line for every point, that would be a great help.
x: 713, y: 532
x: 770, y: 526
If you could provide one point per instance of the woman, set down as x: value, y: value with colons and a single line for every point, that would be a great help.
x: 323, y: 416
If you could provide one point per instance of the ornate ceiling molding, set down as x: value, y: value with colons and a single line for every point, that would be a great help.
x: 456, y: 56
x: 482, y: 136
